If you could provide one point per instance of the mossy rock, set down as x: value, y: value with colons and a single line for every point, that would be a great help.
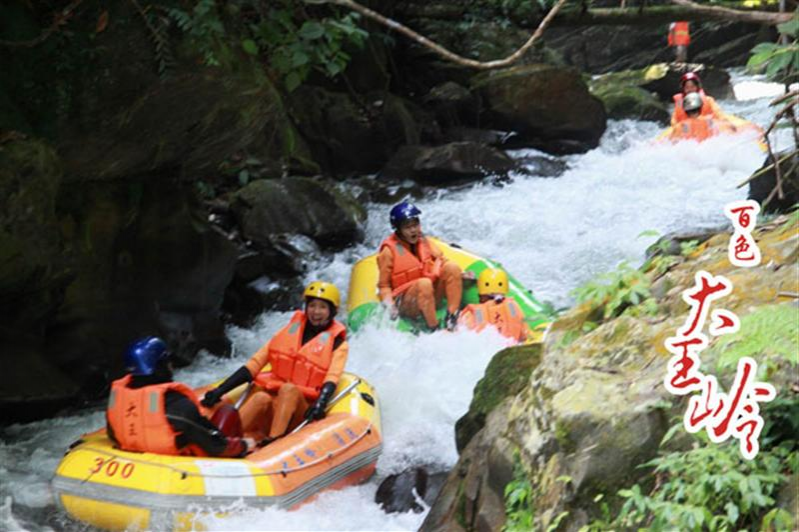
x: 550, y: 107
x: 632, y: 102
x: 506, y: 375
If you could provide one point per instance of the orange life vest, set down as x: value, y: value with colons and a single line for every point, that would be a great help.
x: 505, y: 315
x: 138, y: 417
x: 680, y: 114
x: 303, y: 365
x: 679, y: 34
x: 700, y: 128
x: 408, y: 267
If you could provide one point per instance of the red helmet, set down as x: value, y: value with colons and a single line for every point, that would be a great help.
x: 690, y: 76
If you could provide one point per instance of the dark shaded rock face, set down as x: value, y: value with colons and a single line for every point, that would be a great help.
x: 761, y: 187
x: 549, y: 107
x: 449, y: 163
x: 88, y: 268
x: 349, y: 136
x: 634, y: 103
x: 601, y: 49
x: 266, y: 209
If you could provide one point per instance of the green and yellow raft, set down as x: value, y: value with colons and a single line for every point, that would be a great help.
x: 363, y: 305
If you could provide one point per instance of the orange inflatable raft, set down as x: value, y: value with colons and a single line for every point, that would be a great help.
x: 117, y: 490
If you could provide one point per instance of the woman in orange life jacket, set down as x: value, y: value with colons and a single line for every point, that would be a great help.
x: 495, y: 308
x: 414, y: 274
x: 697, y: 126
x: 307, y: 357
x: 148, y: 412
x: 690, y: 84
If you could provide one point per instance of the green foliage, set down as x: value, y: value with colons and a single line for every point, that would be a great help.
x: 616, y: 291
x: 295, y: 47
x: 204, y: 28
x: 779, y: 61
x: 519, y: 511
x: 688, y: 247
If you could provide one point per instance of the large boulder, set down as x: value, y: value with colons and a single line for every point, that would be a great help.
x: 549, y: 107
x: 266, y: 209
x: 632, y: 102
x: 450, y: 163
x: 594, y: 410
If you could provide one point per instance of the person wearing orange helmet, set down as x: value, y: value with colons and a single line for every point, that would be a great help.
x: 495, y: 308
x: 307, y: 358
x: 690, y: 82
x: 414, y: 274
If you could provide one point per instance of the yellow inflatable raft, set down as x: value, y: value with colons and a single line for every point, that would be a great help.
x: 117, y: 490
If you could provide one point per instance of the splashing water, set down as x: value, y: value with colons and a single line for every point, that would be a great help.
x: 552, y: 234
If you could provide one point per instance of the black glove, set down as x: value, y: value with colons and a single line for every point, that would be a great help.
x: 212, y: 397
x: 317, y: 410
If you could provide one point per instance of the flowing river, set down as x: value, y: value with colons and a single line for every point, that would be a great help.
x: 553, y: 234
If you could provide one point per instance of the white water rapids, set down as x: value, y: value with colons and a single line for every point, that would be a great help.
x: 552, y: 234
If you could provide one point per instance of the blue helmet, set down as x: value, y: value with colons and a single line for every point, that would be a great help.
x: 144, y: 355
x: 401, y: 212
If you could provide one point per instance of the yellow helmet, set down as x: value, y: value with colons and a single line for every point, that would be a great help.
x: 322, y: 290
x: 492, y: 281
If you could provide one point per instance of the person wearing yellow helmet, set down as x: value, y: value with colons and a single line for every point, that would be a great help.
x: 495, y: 308
x: 307, y: 357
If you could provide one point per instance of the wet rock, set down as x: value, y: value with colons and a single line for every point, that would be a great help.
x: 266, y: 209
x: 762, y: 186
x: 633, y: 103
x: 488, y: 137
x: 549, y: 107
x: 454, y: 162
x: 506, y: 375
x: 539, y: 166
x: 399, y: 493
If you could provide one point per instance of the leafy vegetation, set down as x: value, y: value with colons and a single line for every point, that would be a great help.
x: 519, y: 511
x: 779, y: 61
x: 616, y: 291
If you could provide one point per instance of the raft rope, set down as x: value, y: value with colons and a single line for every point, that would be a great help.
x: 284, y: 471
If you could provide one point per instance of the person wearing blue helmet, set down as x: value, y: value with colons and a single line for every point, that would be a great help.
x: 414, y: 274
x: 149, y: 412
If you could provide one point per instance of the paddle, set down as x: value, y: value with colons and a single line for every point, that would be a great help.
x: 227, y: 417
x: 333, y: 401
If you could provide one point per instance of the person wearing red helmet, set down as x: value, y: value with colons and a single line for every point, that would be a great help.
x: 690, y: 82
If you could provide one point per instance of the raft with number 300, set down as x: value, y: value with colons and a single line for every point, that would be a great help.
x: 117, y: 490
x: 363, y: 305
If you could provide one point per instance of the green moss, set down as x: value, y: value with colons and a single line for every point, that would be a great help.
x: 506, y: 375
x: 769, y: 335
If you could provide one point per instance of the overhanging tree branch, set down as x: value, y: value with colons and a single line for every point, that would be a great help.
x: 440, y: 50
x: 725, y: 13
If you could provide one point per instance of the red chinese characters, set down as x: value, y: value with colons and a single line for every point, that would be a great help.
x: 743, y: 251
x: 722, y: 415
